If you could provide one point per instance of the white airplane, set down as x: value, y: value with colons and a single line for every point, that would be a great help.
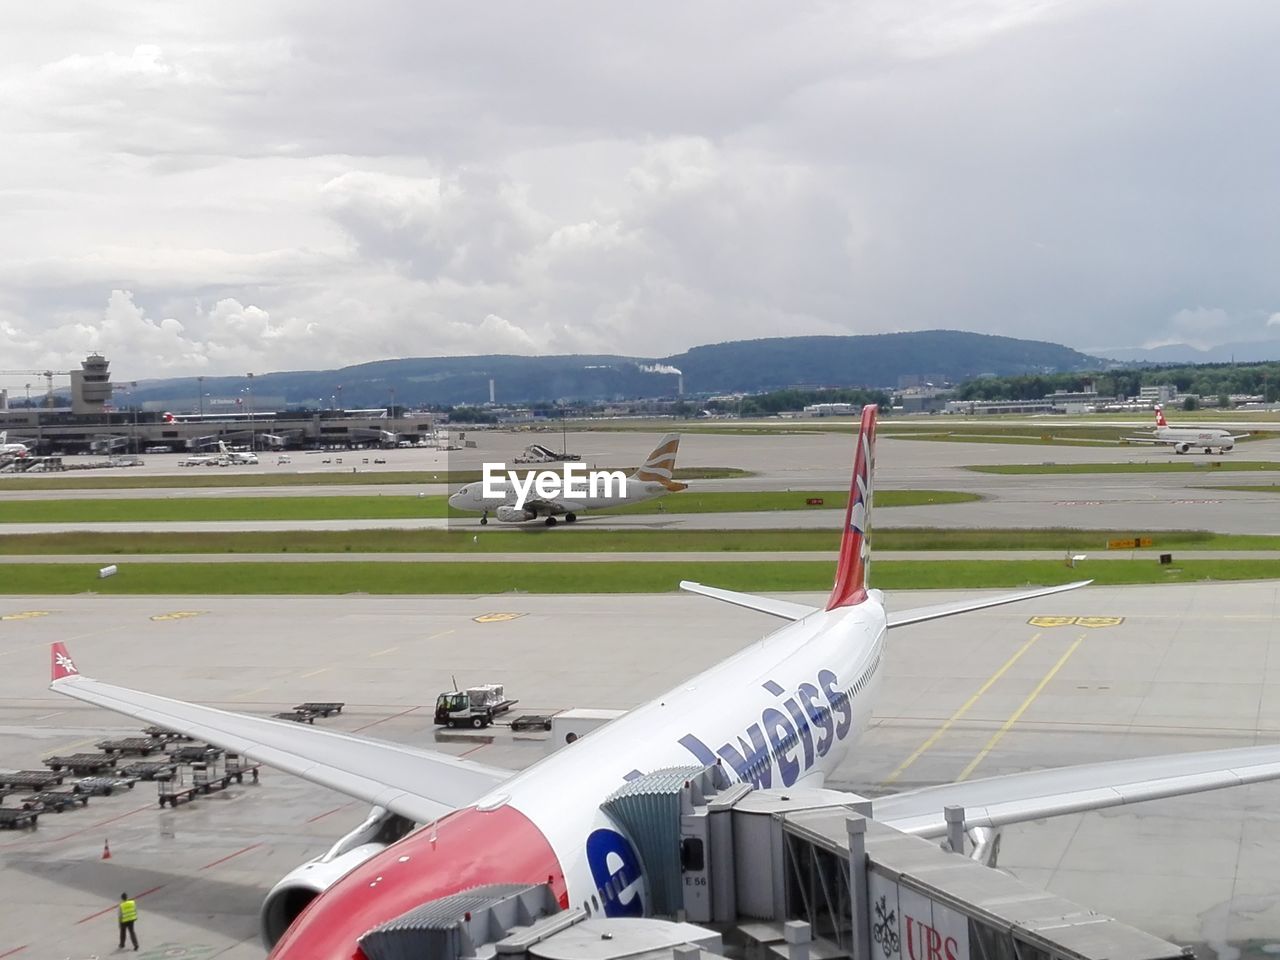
x: 1184, y: 438
x: 782, y: 712
x: 13, y: 449
x: 236, y: 457
x: 651, y: 479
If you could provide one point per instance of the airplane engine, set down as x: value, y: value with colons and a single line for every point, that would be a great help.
x: 1227, y: 447
x: 300, y: 886
x: 514, y: 514
x: 1183, y: 447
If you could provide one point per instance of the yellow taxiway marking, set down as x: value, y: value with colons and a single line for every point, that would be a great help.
x: 1092, y: 623
x: 25, y: 615
x: 179, y: 615
x: 383, y: 653
x: 442, y: 633
x: 1017, y: 714
x: 315, y: 673
x: 964, y: 708
x: 497, y: 617
x: 250, y: 693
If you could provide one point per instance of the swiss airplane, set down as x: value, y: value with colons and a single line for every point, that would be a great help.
x: 1185, y: 439
x: 651, y: 479
x: 13, y: 449
x: 782, y: 711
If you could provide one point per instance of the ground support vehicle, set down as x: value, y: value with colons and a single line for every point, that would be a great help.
x: 475, y: 707
x: 321, y: 708
x: 80, y: 762
x: 102, y: 786
x: 195, y: 753
x: 18, y: 819
x: 296, y: 715
x: 139, y: 746
x: 37, y: 779
x: 531, y: 721
x: 55, y: 800
x: 147, y: 769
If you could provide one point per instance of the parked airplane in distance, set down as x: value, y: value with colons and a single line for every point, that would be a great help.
x: 651, y: 479
x: 236, y: 456
x: 1185, y: 439
x: 782, y: 712
x: 13, y: 449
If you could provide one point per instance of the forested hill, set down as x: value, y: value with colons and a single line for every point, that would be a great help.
x: 749, y: 365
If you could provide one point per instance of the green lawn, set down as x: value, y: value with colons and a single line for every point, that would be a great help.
x: 536, y: 538
x: 460, y: 577
x: 1173, y: 466
x: 694, y: 501
x: 399, y: 507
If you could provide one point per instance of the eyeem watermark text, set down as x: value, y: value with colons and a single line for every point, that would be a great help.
x: 572, y: 482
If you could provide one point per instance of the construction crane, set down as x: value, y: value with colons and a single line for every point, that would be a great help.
x: 48, y: 377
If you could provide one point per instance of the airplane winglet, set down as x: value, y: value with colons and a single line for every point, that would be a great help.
x: 855, y: 544
x: 61, y: 666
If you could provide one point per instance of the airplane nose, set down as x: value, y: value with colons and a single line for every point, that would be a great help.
x: 466, y: 849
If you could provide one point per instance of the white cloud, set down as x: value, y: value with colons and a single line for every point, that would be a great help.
x: 286, y: 185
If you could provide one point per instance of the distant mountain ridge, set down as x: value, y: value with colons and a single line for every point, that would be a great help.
x: 1246, y: 351
x: 736, y: 366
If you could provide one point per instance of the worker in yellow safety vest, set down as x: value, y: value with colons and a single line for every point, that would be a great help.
x: 128, y: 915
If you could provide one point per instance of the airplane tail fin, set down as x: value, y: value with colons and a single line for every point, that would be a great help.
x: 61, y: 665
x: 1160, y: 420
x: 660, y: 465
x: 855, y: 544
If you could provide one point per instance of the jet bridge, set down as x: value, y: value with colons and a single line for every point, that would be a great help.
x: 754, y: 862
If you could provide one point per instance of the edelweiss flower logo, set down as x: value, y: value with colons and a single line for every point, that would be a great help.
x: 65, y: 662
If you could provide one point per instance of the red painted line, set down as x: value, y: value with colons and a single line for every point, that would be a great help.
x: 321, y: 816
x: 112, y: 908
x: 374, y: 723
x: 252, y: 846
x: 10, y: 953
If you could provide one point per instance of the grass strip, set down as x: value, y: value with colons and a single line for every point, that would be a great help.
x: 740, y: 501
x: 536, y: 538
x: 1172, y: 466
x: 399, y: 507
x: 252, y: 578
x: 1247, y: 487
x: 206, y: 478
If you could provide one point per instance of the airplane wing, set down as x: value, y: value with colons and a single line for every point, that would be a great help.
x: 421, y: 785
x: 788, y: 610
x: 1037, y: 794
x: 776, y: 608
x: 1148, y: 440
x: 902, y: 618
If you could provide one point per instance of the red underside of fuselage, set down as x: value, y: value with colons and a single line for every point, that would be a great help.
x: 464, y: 850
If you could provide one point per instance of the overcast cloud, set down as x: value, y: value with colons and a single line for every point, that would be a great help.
x: 254, y: 187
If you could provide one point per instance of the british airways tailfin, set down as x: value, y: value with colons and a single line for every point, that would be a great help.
x: 661, y: 464
x: 855, y: 542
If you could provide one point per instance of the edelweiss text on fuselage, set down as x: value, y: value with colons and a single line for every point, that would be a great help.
x: 791, y: 735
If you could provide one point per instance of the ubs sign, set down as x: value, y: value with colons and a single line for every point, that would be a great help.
x: 906, y: 925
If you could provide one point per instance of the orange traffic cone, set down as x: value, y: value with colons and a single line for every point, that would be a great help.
x: 106, y: 850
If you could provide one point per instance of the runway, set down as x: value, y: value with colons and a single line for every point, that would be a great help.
x: 1149, y: 501
x: 1147, y: 670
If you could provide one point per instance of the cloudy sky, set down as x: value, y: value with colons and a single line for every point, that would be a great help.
x: 249, y: 186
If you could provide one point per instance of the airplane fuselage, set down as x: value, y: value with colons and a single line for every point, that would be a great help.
x: 471, y: 498
x: 784, y: 710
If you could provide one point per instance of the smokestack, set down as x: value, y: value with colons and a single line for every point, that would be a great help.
x: 491, y: 400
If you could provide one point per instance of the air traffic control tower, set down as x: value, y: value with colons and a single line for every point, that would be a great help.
x: 91, y: 385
